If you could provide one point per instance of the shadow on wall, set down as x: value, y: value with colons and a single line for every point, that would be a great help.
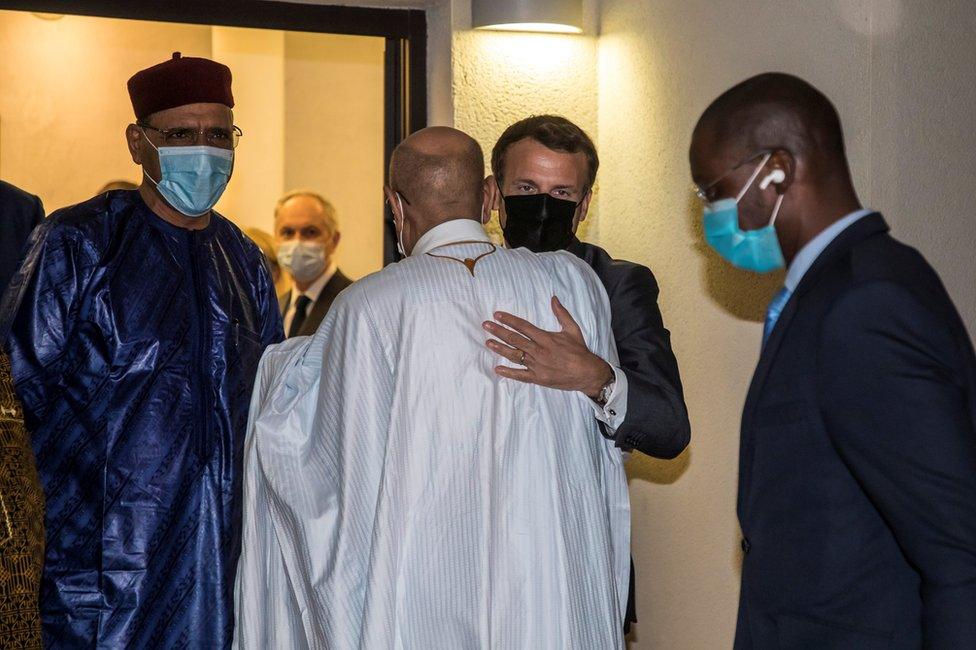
x: 657, y: 470
x: 743, y: 294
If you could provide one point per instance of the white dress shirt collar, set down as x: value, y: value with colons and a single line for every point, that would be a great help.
x: 449, y: 232
x: 313, y: 292
x: 813, y: 248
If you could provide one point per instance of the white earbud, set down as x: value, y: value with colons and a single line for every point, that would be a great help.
x: 775, y: 176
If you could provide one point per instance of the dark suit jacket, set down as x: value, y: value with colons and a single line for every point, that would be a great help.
x: 320, y: 307
x: 857, y: 475
x: 19, y: 213
x: 657, y: 419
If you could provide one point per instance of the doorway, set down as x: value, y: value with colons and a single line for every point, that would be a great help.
x: 323, y: 95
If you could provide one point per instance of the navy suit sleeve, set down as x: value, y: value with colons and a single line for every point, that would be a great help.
x: 657, y: 419
x: 893, y: 379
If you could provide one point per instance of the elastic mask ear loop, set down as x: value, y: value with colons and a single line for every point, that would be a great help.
x: 753, y: 177
x: 144, y: 172
x: 779, y: 202
x: 403, y: 220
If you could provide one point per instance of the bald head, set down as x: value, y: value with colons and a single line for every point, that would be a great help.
x: 776, y: 111
x: 440, y: 172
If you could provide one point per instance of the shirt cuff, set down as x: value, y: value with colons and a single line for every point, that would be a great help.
x: 614, y: 411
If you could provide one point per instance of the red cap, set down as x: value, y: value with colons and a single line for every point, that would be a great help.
x: 178, y: 82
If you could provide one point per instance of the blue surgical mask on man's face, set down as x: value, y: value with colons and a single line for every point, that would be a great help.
x: 193, y: 178
x: 752, y: 250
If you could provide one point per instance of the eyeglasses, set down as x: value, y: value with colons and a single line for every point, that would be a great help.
x: 183, y: 136
x: 702, y: 191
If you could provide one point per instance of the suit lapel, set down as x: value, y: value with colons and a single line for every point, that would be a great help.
x: 284, y: 300
x: 870, y: 225
x: 320, y: 307
x: 858, y: 231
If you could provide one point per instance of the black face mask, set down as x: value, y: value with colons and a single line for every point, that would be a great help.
x: 538, y: 222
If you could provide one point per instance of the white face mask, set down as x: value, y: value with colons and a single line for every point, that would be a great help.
x: 304, y: 260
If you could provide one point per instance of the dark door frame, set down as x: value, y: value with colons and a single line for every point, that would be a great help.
x: 405, y: 31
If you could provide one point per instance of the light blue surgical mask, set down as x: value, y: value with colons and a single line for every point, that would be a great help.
x: 193, y: 178
x: 752, y: 250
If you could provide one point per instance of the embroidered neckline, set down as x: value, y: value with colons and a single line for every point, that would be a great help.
x: 468, y: 262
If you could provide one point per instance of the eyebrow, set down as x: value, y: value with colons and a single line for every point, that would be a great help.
x: 536, y: 185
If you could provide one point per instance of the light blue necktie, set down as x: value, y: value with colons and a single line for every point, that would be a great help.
x: 775, y: 309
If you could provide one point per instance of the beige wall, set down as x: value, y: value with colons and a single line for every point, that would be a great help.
x: 923, y: 134
x: 256, y: 58
x: 63, y: 101
x: 334, y: 136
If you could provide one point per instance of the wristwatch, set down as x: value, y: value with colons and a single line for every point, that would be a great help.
x: 606, y: 392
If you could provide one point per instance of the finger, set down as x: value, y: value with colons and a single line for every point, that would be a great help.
x: 512, y: 354
x: 518, y: 374
x: 520, y: 325
x: 514, y: 339
x: 566, y: 320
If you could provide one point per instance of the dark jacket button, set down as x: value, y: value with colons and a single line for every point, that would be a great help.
x: 746, y: 545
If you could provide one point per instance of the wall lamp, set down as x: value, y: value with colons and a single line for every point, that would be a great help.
x: 558, y: 16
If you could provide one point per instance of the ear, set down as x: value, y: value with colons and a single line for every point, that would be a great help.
x: 335, y: 240
x: 782, y: 160
x: 392, y: 202
x: 584, y: 206
x: 485, y: 203
x: 493, y: 193
x: 495, y: 199
x: 135, y: 141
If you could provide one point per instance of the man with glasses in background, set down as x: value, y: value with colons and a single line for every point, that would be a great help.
x: 134, y: 352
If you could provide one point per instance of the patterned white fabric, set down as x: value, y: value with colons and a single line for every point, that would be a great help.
x: 398, y: 494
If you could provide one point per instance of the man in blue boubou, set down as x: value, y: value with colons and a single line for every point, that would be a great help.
x: 134, y: 349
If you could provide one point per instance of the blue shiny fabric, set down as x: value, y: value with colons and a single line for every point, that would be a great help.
x: 134, y: 353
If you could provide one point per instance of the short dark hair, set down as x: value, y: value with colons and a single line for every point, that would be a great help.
x: 776, y: 110
x: 552, y: 131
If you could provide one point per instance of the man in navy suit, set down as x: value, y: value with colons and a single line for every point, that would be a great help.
x: 19, y: 213
x: 857, y: 468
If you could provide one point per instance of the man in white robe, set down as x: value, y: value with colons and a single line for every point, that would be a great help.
x: 398, y: 493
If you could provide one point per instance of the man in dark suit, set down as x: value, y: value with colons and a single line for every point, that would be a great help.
x: 19, y: 213
x: 543, y: 170
x: 857, y: 469
x: 307, y: 234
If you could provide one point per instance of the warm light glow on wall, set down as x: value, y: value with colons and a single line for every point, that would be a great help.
x: 537, y: 59
x: 503, y: 77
